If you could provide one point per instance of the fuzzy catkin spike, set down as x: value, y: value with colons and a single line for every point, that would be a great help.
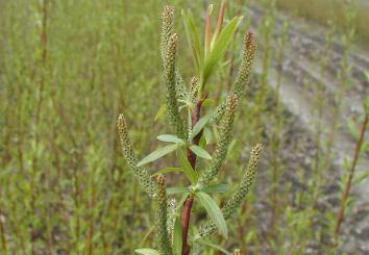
x: 222, y: 147
x: 172, y: 205
x: 248, y: 56
x: 237, y: 198
x: 246, y: 182
x: 170, y: 80
x: 219, y: 113
x: 166, y: 29
x: 141, y: 173
x: 161, y: 230
x: 194, y: 89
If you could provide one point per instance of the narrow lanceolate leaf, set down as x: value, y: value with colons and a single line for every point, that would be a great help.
x: 208, y: 135
x: 170, y: 139
x: 200, y: 152
x: 177, y: 237
x: 200, y: 125
x: 208, y: 102
x: 168, y: 170
x: 216, y: 188
x: 157, y: 154
x: 177, y: 190
x: 219, y: 47
x: 193, y: 39
x: 146, y: 251
x: 214, y: 246
x: 161, y: 112
x: 142, y: 174
x: 235, y: 201
x: 214, y: 212
x: 190, y: 173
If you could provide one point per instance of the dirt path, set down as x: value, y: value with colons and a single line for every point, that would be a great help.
x: 302, y: 79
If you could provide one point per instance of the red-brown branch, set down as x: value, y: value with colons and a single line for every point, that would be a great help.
x: 185, y: 221
x: 341, y: 213
x: 187, y: 206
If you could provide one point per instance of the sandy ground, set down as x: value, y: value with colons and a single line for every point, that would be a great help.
x: 302, y: 74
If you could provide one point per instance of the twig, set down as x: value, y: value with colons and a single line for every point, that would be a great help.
x: 341, y: 213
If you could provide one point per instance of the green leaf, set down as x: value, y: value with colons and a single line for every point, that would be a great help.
x: 365, y: 147
x: 216, y: 188
x: 168, y: 170
x: 176, y: 190
x: 193, y: 39
x: 170, y: 139
x: 147, y: 252
x: 199, y: 126
x: 186, y: 167
x: 208, y: 102
x: 162, y: 110
x: 208, y: 134
x: 354, y: 130
x: 219, y: 48
x: 367, y: 75
x: 177, y: 238
x: 158, y: 154
x: 200, y: 152
x: 214, y: 246
x: 361, y: 177
x: 213, y: 211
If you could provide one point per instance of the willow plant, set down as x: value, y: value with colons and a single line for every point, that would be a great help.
x: 193, y: 136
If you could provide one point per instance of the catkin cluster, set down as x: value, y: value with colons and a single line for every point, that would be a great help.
x: 223, y: 118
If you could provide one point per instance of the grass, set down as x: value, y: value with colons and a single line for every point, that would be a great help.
x: 334, y: 11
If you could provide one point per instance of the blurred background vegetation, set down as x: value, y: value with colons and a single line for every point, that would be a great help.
x: 68, y: 68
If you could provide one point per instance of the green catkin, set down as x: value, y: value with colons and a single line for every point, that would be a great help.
x: 170, y: 80
x: 222, y: 147
x: 248, y: 56
x: 235, y: 201
x: 160, y: 209
x: 195, y: 85
x: 219, y: 113
x: 167, y: 31
x: 242, y: 80
x: 141, y: 173
x: 172, y: 206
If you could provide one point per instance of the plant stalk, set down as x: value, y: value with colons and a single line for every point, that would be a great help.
x: 187, y: 206
x: 341, y: 213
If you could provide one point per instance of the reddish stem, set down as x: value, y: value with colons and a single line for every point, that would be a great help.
x: 185, y: 221
x: 341, y: 213
x: 187, y: 206
x: 195, y: 118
